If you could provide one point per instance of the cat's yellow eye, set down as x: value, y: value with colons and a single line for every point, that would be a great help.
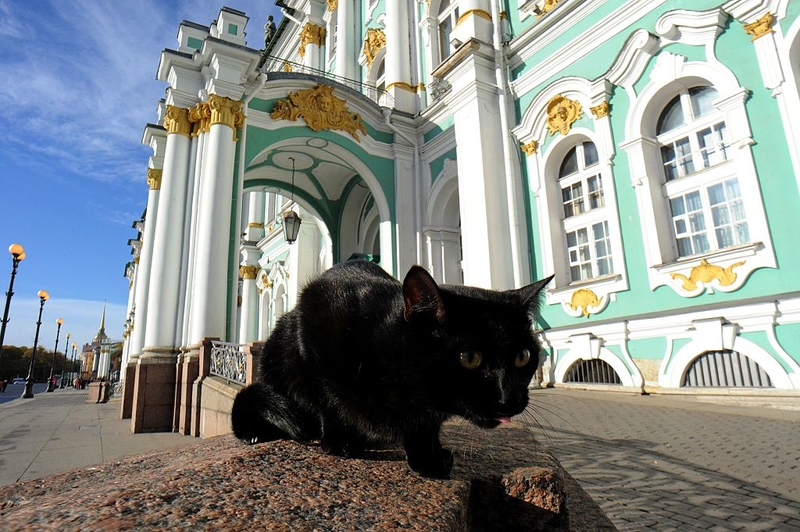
x: 523, y: 358
x: 470, y: 359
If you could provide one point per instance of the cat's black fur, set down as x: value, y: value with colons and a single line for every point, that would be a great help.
x: 363, y: 361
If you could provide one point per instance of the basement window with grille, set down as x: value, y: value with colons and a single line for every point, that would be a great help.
x: 593, y: 371
x: 725, y: 369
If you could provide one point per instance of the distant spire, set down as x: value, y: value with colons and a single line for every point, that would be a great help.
x: 101, y: 334
x: 103, y: 319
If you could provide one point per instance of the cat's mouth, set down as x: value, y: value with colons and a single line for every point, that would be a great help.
x: 491, y: 422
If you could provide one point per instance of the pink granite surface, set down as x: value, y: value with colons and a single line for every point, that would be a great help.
x: 502, y: 481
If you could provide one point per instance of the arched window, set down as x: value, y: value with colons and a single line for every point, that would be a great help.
x: 448, y: 18
x: 585, y: 222
x: 705, y: 200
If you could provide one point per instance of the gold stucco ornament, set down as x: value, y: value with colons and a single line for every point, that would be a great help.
x: 530, y: 148
x: 374, y: 43
x: 584, y: 299
x: 706, y: 273
x: 760, y: 27
x: 562, y: 113
x: 310, y: 34
x: 320, y: 109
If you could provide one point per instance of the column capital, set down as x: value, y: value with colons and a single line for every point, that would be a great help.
x: 154, y: 178
x: 248, y: 272
x: 310, y: 34
x: 176, y: 120
x: 226, y: 111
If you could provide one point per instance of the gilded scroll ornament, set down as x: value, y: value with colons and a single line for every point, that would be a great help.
x: 248, y: 273
x: 706, y: 273
x: 546, y: 7
x: 562, y: 113
x: 373, y: 44
x: 287, y: 66
x: 582, y: 299
x: 332, y: 4
x: 530, y: 148
x: 154, y: 178
x: 320, y: 109
x: 599, y: 111
x: 310, y: 34
x: 760, y: 27
x: 176, y: 120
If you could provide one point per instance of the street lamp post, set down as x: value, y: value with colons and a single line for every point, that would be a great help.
x: 66, y: 358
x: 50, y: 384
x: 28, y: 393
x: 17, y: 254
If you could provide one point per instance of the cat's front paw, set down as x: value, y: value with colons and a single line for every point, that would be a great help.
x: 436, y: 465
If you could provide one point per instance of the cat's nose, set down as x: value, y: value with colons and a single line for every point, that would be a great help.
x: 512, y: 407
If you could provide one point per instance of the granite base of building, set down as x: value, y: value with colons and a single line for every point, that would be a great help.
x: 502, y: 480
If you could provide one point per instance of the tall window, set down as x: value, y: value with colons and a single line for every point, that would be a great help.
x: 704, y: 197
x: 448, y: 18
x: 584, y: 218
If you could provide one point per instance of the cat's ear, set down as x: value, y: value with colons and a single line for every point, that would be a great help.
x: 531, y: 295
x: 421, y: 295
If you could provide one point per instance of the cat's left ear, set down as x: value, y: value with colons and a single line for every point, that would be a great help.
x: 421, y: 295
x: 531, y: 295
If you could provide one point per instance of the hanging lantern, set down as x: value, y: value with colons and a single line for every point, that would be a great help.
x: 291, y: 220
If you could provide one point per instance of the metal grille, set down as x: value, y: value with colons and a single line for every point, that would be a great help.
x: 593, y: 371
x: 726, y: 369
x: 228, y: 361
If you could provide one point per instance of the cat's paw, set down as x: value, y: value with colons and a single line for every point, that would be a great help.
x: 437, y: 465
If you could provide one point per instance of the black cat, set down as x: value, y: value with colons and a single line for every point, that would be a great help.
x: 364, y: 361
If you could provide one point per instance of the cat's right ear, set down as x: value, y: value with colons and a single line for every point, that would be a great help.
x: 421, y: 296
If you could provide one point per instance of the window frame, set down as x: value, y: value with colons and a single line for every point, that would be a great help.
x: 671, y: 74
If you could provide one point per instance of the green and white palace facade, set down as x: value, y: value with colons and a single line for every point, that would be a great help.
x: 645, y: 152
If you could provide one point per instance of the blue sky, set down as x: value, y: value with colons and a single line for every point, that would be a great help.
x: 77, y: 86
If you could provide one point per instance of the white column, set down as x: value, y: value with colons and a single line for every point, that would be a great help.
x: 165, y: 275
x: 255, y: 216
x: 248, y: 320
x: 475, y: 21
x: 345, y: 43
x: 212, y: 251
x: 144, y: 268
x: 399, y: 83
x: 312, y: 39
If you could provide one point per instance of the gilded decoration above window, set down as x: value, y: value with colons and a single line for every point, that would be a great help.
x: 320, y: 109
x: 373, y: 44
x: 586, y: 302
x: 562, y: 113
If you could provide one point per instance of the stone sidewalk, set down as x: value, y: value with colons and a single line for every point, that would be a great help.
x: 675, y: 463
x: 59, y: 431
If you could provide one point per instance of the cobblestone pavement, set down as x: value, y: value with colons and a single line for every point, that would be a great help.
x: 668, y: 463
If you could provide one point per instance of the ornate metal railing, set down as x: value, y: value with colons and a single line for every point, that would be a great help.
x: 271, y: 63
x: 228, y: 361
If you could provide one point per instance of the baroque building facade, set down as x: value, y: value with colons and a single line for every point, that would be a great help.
x: 641, y: 151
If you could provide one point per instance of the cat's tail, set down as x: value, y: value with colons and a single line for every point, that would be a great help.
x: 261, y: 414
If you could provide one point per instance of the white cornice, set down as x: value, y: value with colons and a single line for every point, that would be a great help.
x: 582, y: 45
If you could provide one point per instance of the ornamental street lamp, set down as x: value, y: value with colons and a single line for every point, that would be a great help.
x: 66, y: 358
x: 50, y: 384
x: 17, y: 254
x: 74, y: 355
x: 28, y: 393
x: 291, y: 220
